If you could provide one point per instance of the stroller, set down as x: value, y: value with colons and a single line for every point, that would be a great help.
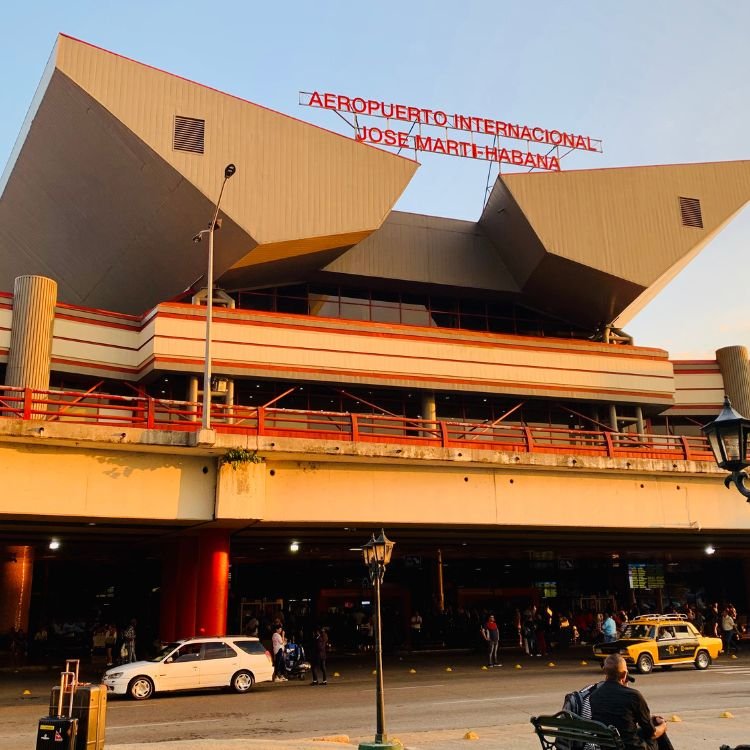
x: 295, y: 664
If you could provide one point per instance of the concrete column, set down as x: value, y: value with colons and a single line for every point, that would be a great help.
x: 733, y: 363
x: 34, y: 299
x: 213, y: 583
x: 16, y: 569
x: 428, y: 410
x: 192, y: 394
x: 613, y: 418
x: 639, y: 420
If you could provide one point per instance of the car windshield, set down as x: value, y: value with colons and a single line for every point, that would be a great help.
x: 165, y: 652
x: 638, y: 631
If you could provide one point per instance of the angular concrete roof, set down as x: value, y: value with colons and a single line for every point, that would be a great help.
x: 594, y: 246
x: 96, y: 197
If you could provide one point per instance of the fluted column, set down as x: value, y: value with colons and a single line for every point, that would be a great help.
x: 34, y: 299
x: 735, y: 370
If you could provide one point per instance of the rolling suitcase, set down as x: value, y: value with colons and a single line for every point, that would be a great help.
x: 88, y: 706
x: 57, y: 730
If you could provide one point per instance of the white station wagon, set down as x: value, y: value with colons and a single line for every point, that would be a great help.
x: 233, y: 661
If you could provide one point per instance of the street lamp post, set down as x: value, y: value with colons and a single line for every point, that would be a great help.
x: 728, y: 437
x: 377, y: 555
x: 229, y: 170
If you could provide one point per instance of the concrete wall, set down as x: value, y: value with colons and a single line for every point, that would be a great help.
x: 332, y: 492
x: 80, y: 482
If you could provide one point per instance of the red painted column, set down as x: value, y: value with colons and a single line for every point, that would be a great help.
x: 187, y: 587
x: 16, y: 569
x: 213, y: 583
x: 168, y: 592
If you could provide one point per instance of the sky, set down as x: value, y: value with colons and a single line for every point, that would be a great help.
x: 659, y: 82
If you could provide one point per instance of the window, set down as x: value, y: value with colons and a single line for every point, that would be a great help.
x: 188, y: 652
x: 217, y: 650
x: 251, y: 647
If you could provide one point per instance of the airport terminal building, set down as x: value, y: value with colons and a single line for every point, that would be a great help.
x: 470, y: 386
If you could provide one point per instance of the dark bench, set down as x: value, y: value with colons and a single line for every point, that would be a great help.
x: 566, y: 730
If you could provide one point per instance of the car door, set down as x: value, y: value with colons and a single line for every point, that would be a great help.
x: 687, y: 641
x: 181, y: 669
x: 667, y: 645
x: 219, y: 661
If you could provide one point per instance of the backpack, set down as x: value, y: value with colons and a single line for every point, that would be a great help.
x: 579, y: 703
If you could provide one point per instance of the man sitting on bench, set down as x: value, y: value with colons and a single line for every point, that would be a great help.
x: 614, y: 703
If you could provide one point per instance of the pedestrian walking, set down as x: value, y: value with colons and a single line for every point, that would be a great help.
x: 277, y: 645
x: 729, y: 629
x: 110, y: 639
x: 415, y: 626
x: 319, y: 655
x: 609, y: 628
x: 128, y: 641
x: 491, y: 634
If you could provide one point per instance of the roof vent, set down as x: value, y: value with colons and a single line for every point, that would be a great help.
x: 690, y: 208
x: 189, y: 134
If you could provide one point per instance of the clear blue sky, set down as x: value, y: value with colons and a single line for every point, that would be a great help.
x: 659, y: 82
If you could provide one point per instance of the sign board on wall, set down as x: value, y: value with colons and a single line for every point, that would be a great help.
x: 459, y: 132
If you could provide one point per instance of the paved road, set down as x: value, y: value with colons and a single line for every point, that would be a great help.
x: 430, y: 708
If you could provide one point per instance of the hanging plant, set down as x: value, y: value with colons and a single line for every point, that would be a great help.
x: 237, y: 456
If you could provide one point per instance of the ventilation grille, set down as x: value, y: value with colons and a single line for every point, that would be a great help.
x: 189, y: 134
x: 690, y: 208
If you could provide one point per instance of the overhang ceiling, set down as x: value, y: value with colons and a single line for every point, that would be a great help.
x: 96, y: 197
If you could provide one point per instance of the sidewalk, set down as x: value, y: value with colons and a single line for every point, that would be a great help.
x: 708, y: 733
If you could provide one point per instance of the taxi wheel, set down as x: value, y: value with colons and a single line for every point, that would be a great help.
x: 140, y: 688
x: 702, y: 660
x: 242, y: 682
x: 645, y: 663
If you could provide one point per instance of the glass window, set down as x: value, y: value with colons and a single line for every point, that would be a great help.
x: 263, y: 301
x: 188, y: 652
x: 324, y: 306
x: 353, y: 308
x: 251, y: 647
x: 385, y: 312
x: 415, y: 315
x: 217, y: 650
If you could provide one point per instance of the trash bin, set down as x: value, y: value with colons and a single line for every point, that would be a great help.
x: 59, y: 731
x: 88, y: 706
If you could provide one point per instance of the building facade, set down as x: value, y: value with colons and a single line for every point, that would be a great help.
x: 469, y: 386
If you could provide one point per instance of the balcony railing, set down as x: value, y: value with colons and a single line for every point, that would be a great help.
x: 74, y: 407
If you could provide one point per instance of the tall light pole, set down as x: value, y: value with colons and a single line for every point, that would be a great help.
x: 229, y: 170
x: 377, y: 555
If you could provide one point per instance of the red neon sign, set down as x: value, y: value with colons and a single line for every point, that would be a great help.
x: 452, y: 121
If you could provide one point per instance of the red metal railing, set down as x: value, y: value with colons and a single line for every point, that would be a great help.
x: 74, y: 407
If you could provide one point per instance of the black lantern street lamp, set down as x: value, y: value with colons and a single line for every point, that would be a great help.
x: 377, y: 555
x: 728, y: 435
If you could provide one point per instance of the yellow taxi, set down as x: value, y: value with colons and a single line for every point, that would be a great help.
x: 663, y: 641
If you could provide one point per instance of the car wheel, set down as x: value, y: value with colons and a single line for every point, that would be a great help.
x: 702, y: 660
x: 141, y: 688
x: 242, y: 682
x: 645, y: 663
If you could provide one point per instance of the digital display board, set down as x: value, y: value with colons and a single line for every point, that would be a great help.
x: 645, y: 576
